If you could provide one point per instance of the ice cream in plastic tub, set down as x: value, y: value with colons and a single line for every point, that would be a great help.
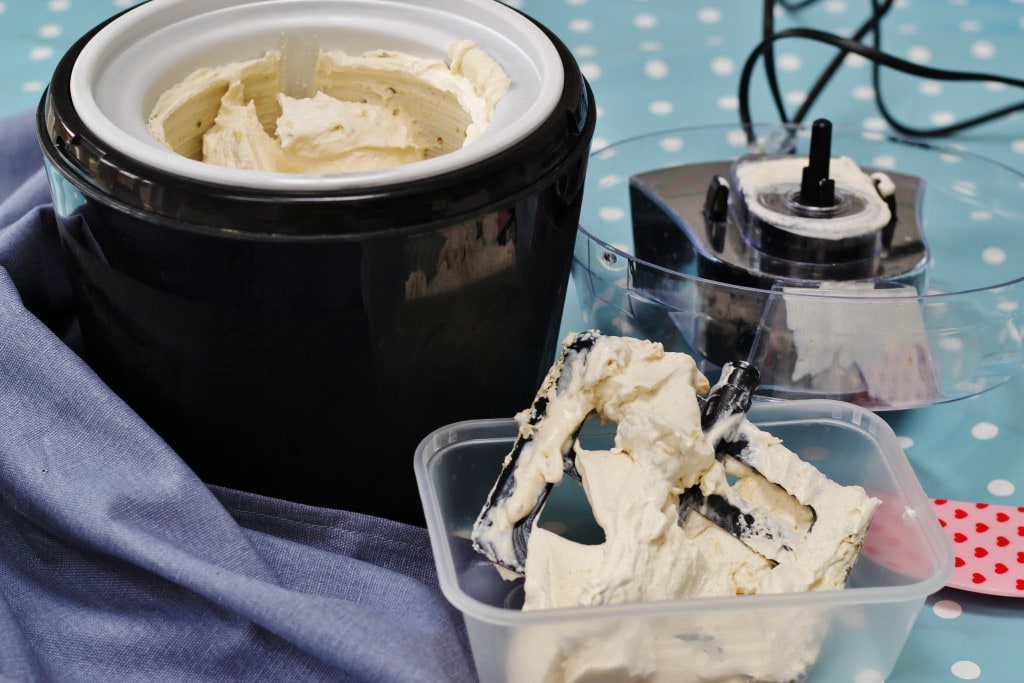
x: 834, y: 635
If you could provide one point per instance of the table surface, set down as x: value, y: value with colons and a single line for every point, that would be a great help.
x: 661, y: 64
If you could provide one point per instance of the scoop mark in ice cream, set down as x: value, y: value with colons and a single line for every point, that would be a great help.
x: 373, y: 111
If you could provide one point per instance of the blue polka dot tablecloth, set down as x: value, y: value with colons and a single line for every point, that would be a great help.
x: 665, y: 64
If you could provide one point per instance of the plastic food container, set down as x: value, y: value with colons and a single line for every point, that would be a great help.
x: 855, y: 634
x: 272, y: 327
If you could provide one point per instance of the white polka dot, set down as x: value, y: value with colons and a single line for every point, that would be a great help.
x: 671, y: 144
x: 875, y: 123
x: 983, y: 431
x: 993, y: 256
x: 905, y: 442
x: 50, y: 30
x: 576, y: 2
x: 590, y: 70
x: 994, y: 86
x: 645, y: 21
x: 864, y: 93
x: 965, y: 670
x: 3, y: 7
x: 128, y: 3
x: 884, y: 161
x: 983, y: 49
x: 788, y: 62
x: 970, y: 25
x: 714, y: 41
x: 736, y: 138
x: 796, y: 97
x: 919, y: 54
x: 981, y: 215
x: 930, y: 88
x: 650, y: 46
x: 722, y: 66
x: 32, y: 86
x: 1008, y: 306
x: 854, y: 61
x: 835, y: 6
x: 1017, y: 146
x: 611, y: 213
x: 40, y: 52
x: 656, y: 68
x: 660, y: 107
x: 610, y: 180
x: 1001, y: 488
x: 947, y: 609
x: 965, y: 187
x: 951, y: 344
x: 580, y: 25
x: 585, y: 51
x: 868, y: 676
x: 907, y: 29
x: 58, y: 5
x: 598, y: 144
x: 942, y: 118
x: 948, y: 158
x: 729, y: 102
x: 709, y: 15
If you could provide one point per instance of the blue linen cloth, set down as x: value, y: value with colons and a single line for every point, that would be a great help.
x: 118, y: 563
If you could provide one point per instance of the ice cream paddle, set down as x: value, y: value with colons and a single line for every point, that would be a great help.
x: 988, y: 544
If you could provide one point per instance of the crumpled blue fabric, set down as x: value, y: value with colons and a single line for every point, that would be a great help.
x: 118, y: 564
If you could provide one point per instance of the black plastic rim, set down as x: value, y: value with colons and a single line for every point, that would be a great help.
x: 188, y: 204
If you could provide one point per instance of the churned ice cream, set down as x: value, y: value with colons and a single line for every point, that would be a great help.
x: 694, y: 499
x: 364, y: 112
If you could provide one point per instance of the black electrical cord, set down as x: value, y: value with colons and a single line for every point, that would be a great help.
x: 795, y: 6
x: 854, y: 45
x: 767, y: 29
x: 872, y: 25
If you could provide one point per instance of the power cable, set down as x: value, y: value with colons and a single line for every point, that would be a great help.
x: 855, y: 45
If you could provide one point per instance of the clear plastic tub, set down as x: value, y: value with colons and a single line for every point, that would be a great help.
x: 855, y: 634
x: 924, y: 333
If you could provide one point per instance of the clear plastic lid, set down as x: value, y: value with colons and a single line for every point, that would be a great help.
x: 947, y: 330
